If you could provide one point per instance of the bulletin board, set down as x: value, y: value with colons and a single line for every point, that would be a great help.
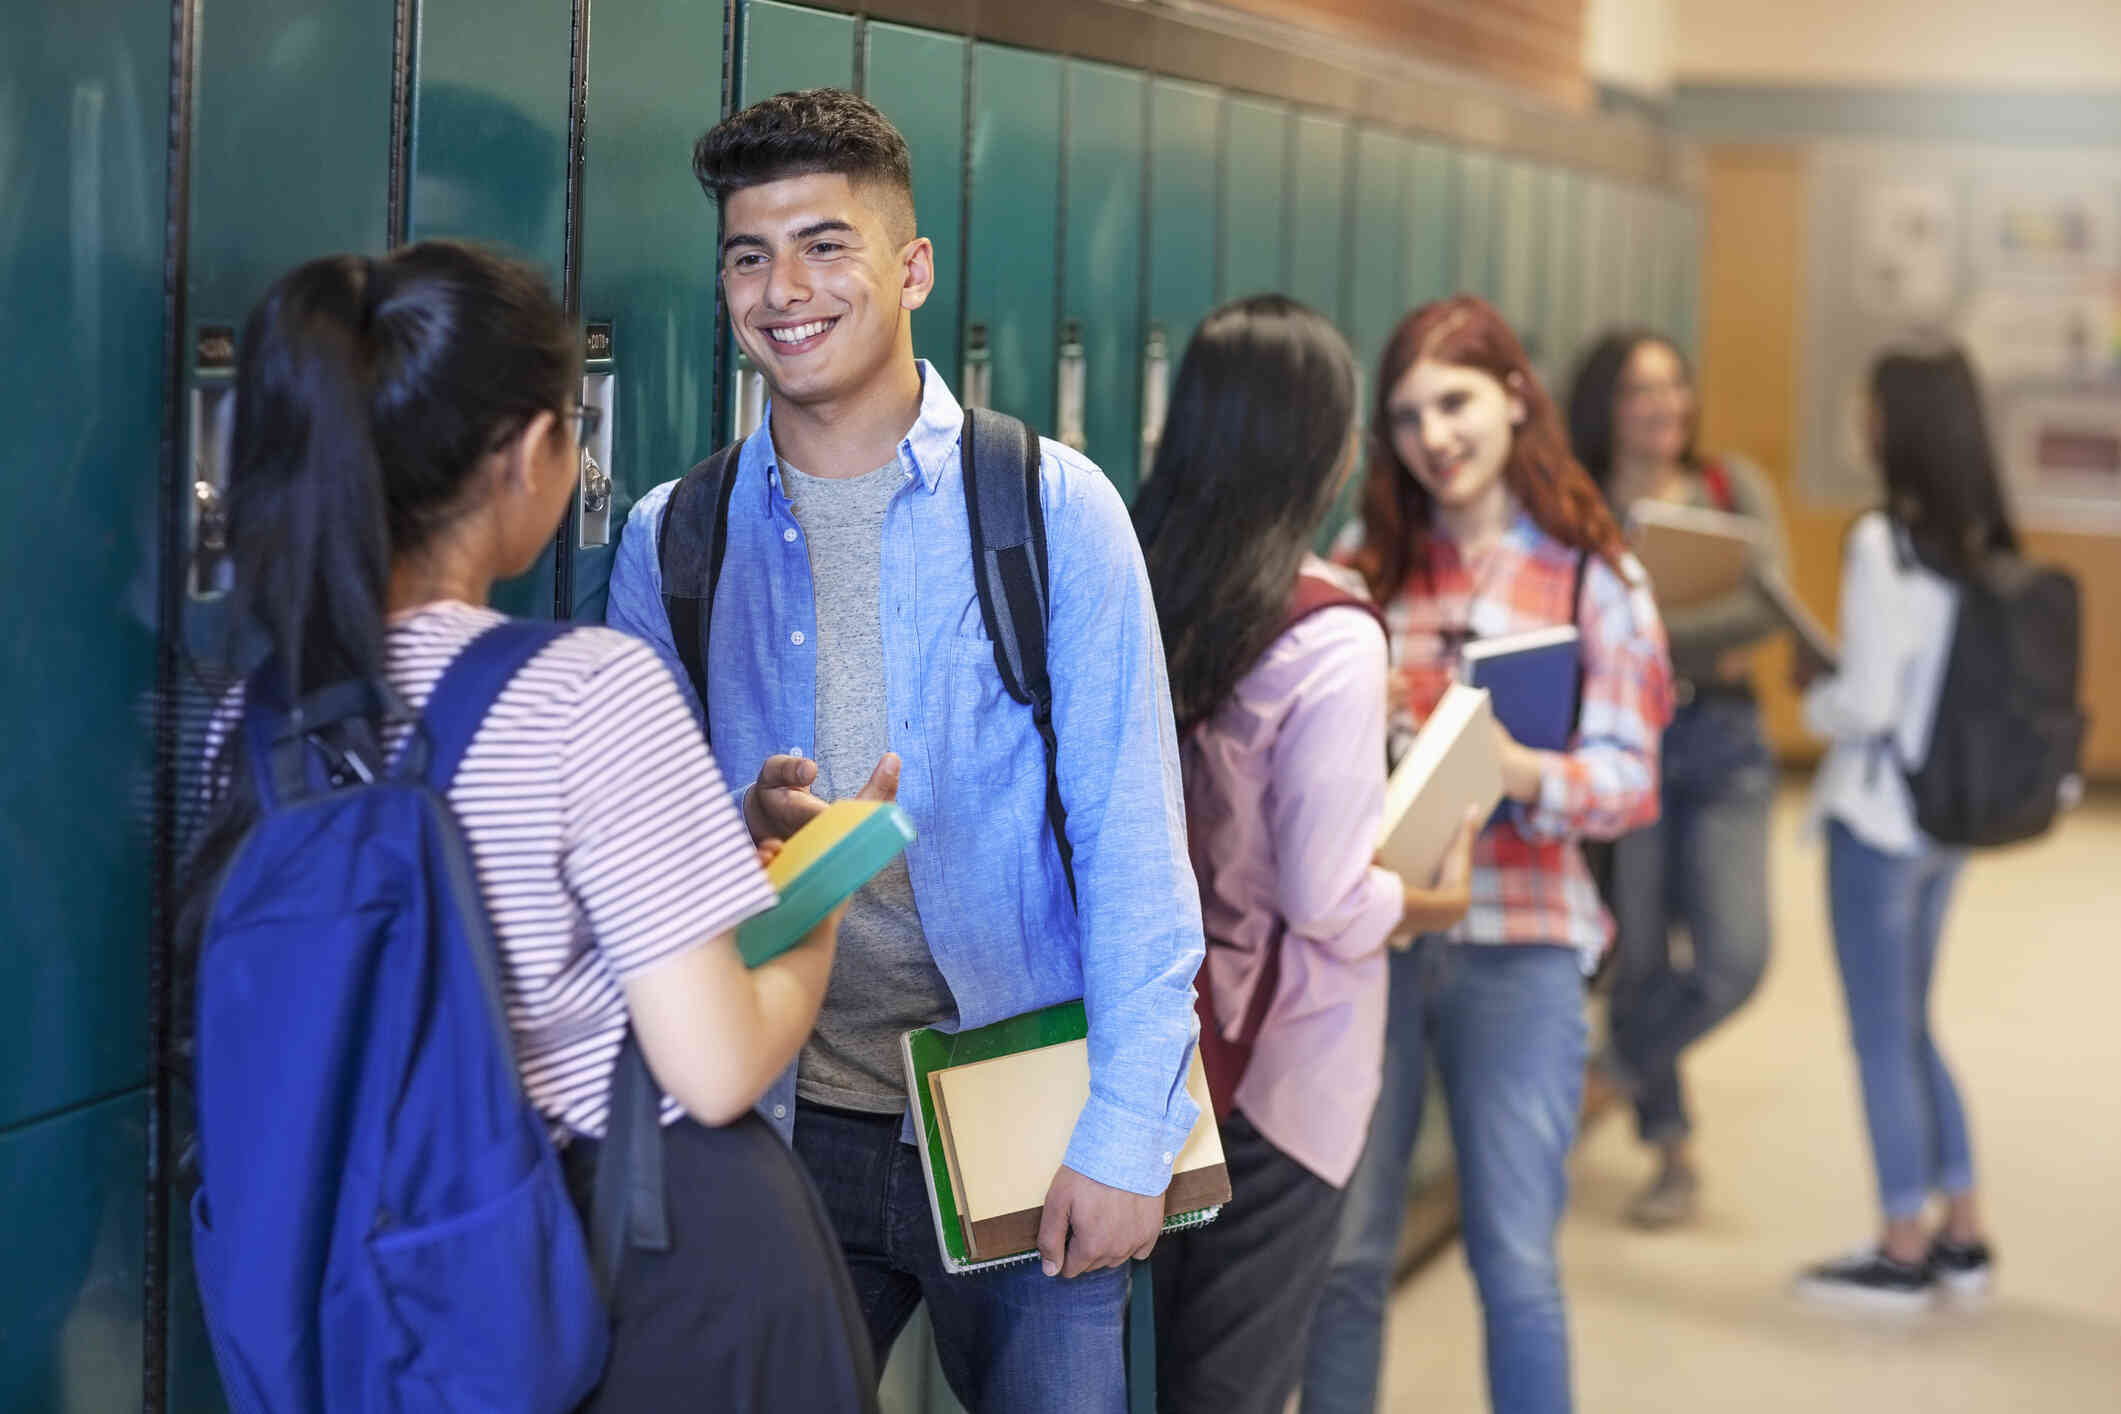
x: 2015, y: 254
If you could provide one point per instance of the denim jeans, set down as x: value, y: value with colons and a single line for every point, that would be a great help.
x: 1012, y: 1340
x: 1507, y: 1027
x: 1888, y: 918
x: 1703, y: 867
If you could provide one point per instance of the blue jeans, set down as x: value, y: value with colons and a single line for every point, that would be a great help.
x: 1011, y: 1340
x: 1888, y: 918
x: 1507, y: 1027
x: 1703, y: 867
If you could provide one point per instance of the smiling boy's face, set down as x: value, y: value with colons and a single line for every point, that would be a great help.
x: 822, y: 276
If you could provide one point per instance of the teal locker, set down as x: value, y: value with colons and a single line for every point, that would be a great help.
x: 788, y: 47
x: 1477, y: 262
x: 71, y: 1313
x: 489, y: 156
x: 1107, y: 121
x: 1686, y: 326
x: 1014, y: 217
x: 1380, y: 246
x: 1432, y: 225
x: 647, y: 254
x: 1255, y: 193
x: 918, y: 80
x: 1560, y: 301
x: 1318, y: 216
x: 1633, y: 233
x: 1519, y: 215
x: 80, y: 279
x: 1184, y: 123
x: 1598, y: 304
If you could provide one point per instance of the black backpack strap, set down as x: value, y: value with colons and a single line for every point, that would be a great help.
x: 1001, y: 462
x: 690, y: 547
x: 627, y: 1210
x: 1583, y: 672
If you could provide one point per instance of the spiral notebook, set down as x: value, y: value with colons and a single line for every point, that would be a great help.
x: 996, y: 1107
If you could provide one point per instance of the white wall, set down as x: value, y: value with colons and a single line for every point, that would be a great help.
x: 2018, y: 44
x: 1628, y: 43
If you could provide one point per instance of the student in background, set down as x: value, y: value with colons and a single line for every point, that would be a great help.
x: 1477, y: 523
x: 1278, y: 682
x: 1888, y: 884
x: 860, y: 630
x: 405, y: 436
x: 1703, y: 866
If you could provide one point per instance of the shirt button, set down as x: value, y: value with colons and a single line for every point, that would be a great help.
x: 789, y: 535
x: 795, y: 751
x: 796, y: 638
x: 1167, y: 1158
x: 780, y: 1112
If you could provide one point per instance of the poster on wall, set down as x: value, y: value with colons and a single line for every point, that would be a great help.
x: 2015, y: 256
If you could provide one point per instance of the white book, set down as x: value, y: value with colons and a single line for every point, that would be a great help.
x: 1692, y: 555
x: 1452, y: 767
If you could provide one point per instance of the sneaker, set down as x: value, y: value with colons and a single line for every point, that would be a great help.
x: 1965, y: 1272
x: 1672, y: 1198
x: 1869, y: 1281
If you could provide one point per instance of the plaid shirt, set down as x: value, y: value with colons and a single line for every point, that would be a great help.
x: 1530, y: 884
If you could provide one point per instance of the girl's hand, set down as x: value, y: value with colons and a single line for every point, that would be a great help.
x: 1523, y: 769
x: 1444, y: 902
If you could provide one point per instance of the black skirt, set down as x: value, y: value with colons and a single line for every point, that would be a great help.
x: 752, y: 1307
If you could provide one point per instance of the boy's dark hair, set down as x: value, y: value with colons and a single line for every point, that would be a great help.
x: 799, y: 134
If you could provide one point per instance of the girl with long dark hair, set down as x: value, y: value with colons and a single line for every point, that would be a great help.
x: 1477, y: 523
x: 1703, y: 865
x: 1888, y: 884
x: 1278, y: 681
x: 405, y: 436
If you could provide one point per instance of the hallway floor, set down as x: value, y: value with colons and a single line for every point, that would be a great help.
x: 2029, y: 1014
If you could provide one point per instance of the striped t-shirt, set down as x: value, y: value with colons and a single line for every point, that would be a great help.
x: 603, y: 836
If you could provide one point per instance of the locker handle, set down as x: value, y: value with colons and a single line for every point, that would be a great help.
x: 212, y: 573
x: 1156, y: 391
x: 1071, y: 380
x: 593, y: 501
x: 976, y: 388
x: 747, y: 398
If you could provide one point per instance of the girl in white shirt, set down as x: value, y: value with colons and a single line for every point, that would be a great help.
x: 1888, y: 883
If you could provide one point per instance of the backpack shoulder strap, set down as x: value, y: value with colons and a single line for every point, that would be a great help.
x: 1001, y: 462
x: 469, y: 686
x: 1717, y: 480
x: 690, y: 547
x: 1315, y: 593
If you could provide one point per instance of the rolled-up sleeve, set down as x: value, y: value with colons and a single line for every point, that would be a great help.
x: 1606, y: 784
x: 1138, y: 906
x: 635, y: 604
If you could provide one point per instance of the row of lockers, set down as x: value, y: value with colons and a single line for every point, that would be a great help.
x: 1066, y: 199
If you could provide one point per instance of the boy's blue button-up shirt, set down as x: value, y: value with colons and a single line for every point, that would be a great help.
x: 986, y: 871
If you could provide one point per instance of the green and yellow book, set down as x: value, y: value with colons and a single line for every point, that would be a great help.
x: 996, y: 1107
x: 819, y: 869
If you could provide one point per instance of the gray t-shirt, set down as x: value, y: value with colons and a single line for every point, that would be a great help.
x: 884, y: 980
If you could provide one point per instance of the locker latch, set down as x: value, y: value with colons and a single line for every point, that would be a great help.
x: 1071, y: 380
x: 213, y: 403
x: 1156, y: 381
x: 976, y: 388
x: 599, y: 391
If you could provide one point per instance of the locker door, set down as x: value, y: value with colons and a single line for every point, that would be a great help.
x: 489, y: 156
x: 792, y: 47
x: 1686, y: 323
x: 1318, y: 215
x: 1380, y: 246
x: 1477, y: 261
x: 1632, y: 232
x: 647, y: 258
x: 1255, y: 176
x: 1014, y: 217
x: 1184, y: 123
x: 81, y: 250
x: 1518, y: 219
x: 1601, y: 274
x: 1560, y: 313
x: 918, y: 80
x: 1101, y: 267
x: 1432, y: 225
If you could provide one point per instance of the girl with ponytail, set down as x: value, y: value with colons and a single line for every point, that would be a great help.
x: 406, y: 435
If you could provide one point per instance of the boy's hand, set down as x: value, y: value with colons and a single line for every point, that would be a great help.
x: 1087, y: 1226
x: 781, y: 802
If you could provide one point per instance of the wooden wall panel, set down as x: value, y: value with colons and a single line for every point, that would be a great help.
x: 1535, y: 44
x: 1753, y: 293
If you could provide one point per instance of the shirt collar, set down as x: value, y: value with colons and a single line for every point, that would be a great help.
x: 928, y: 447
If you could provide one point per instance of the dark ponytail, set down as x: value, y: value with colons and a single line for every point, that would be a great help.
x: 367, y: 394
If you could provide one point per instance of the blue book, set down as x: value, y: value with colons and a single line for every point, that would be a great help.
x: 1534, y: 679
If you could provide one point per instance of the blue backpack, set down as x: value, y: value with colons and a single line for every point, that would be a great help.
x: 382, y: 1223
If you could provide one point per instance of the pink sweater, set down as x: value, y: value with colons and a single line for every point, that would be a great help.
x: 1284, y: 795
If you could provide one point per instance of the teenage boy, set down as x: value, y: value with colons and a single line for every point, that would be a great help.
x: 848, y: 630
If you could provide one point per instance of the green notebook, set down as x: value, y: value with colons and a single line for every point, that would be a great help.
x: 819, y: 869
x: 1009, y: 1232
